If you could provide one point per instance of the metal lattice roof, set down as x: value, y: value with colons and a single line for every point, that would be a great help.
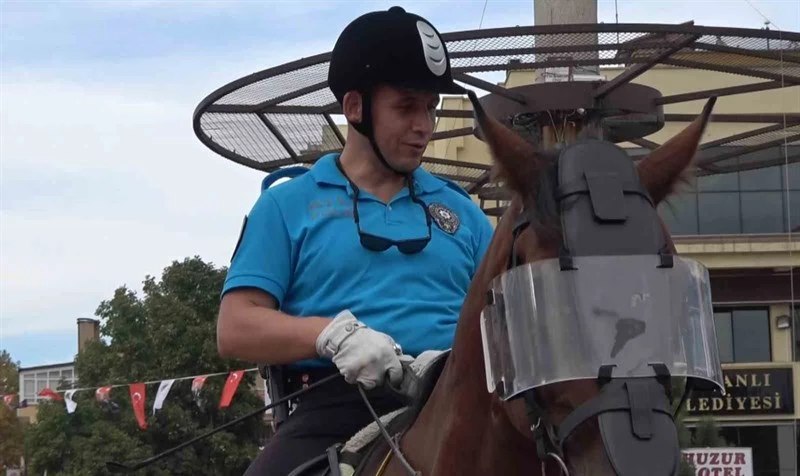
x: 283, y: 115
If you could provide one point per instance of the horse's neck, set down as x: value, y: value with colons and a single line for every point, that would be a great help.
x: 461, y: 431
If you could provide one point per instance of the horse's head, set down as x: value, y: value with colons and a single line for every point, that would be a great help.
x: 587, y: 308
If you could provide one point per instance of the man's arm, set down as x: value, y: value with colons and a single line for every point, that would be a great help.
x: 250, y: 328
x: 249, y: 325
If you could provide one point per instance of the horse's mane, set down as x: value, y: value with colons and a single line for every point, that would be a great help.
x: 541, y: 198
x: 538, y: 193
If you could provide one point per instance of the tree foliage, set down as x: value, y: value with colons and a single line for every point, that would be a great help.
x: 706, y: 435
x: 11, y: 442
x: 9, y: 374
x: 168, y: 332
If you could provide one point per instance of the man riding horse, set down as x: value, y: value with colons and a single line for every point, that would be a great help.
x: 364, y: 261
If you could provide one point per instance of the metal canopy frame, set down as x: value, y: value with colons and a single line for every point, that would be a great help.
x: 282, y: 116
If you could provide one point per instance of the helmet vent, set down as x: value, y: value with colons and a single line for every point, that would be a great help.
x: 432, y: 48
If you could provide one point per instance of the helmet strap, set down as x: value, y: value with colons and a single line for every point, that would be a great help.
x: 365, y: 127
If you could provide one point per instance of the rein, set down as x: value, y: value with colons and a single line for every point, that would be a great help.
x: 115, y: 467
x: 389, y: 440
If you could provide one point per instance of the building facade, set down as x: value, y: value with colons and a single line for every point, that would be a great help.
x: 739, y: 225
x: 33, y: 380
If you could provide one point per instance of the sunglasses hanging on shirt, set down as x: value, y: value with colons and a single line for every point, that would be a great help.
x: 380, y: 243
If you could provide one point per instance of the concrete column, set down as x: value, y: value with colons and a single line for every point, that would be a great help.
x: 88, y: 330
x: 561, y: 12
x: 787, y: 447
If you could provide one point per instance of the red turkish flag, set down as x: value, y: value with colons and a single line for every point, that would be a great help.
x: 230, y: 388
x: 101, y: 394
x: 9, y: 399
x: 197, y: 384
x: 137, y: 400
x: 48, y: 393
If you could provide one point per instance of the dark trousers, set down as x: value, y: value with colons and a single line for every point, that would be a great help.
x: 328, y: 415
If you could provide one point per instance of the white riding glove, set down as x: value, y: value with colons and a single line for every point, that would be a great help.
x: 362, y: 354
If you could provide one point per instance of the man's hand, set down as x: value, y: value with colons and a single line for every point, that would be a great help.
x: 362, y: 355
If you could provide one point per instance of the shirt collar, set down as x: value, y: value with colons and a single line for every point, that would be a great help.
x: 325, y: 171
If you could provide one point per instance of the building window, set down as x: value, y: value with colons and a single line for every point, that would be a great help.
x: 762, y: 211
x: 36, y: 380
x: 719, y: 213
x: 743, y: 335
x: 764, y: 442
x: 680, y: 214
x: 749, y: 202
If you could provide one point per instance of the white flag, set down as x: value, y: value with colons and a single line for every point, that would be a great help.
x: 267, y: 399
x: 161, y: 395
x: 71, y: 405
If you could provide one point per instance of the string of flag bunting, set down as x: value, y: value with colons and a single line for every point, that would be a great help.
x: 138, y: 393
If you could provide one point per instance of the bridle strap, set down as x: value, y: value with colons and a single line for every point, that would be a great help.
x: 604, y: 402
x: 521, y: 222
x: 543, y: 439
x: 545, y: 446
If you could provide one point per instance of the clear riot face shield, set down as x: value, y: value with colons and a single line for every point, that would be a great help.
x: 544, y: 325
x: 622, y: 320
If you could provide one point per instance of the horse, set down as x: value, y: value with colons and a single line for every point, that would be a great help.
x: 460, y: 428
x: 459, y: 420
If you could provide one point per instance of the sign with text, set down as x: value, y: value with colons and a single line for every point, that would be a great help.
x: 762, y: 391
x: 720, y: 461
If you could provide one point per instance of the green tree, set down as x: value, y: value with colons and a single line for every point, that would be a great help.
x: 9, y: 374
x: 707, y: 432
x: 11, y: 444
x: 168, y: 332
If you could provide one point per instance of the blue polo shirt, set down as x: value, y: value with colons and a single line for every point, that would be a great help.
x: 300, y: 244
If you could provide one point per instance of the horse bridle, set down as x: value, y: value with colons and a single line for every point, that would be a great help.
x: 543, y: 433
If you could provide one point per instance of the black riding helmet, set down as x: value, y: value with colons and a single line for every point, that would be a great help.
x: 389, y: 47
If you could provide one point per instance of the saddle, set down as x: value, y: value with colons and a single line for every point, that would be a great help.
x: 347, y: 459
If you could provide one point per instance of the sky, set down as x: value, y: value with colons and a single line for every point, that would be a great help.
x: 102, y: 180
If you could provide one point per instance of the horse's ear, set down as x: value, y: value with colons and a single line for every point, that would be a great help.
x: 516, y: 161
x: 672, y: 161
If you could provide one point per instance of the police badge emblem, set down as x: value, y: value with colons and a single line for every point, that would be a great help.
x: 445, y: 219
